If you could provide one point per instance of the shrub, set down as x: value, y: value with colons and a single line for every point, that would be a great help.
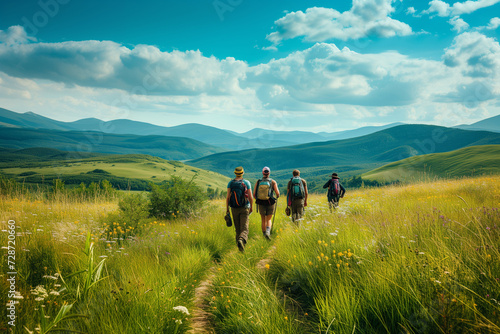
x: 174, y: 198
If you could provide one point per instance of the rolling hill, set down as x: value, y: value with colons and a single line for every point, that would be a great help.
x: 171, y: 148
x: 42, y: 165
x: 468, y: 161
x: 385, y: 146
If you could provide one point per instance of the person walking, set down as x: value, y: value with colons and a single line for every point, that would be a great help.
x: 335, y: 191
x: 297, y: 195
x: 239, y: 198
x: 265, y: 189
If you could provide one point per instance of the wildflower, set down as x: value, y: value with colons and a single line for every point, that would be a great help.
x: 267, y: 266
x: 182, y: 309
x: 338, y: 265
x: 286, y: 318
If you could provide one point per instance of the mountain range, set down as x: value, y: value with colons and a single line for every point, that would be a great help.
x: 228, y: 140
x: 385, y: 146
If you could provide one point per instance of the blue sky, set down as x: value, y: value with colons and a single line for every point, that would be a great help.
x: 239, y: 64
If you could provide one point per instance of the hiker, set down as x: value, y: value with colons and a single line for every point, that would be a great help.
x: 265, y: 189
x: 239, y: 198
x: 297, y: 195
x: 335, y: 191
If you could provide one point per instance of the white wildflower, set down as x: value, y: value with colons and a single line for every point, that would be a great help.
x: 182, y: 309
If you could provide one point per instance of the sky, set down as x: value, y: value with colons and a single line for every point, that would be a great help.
x: 241, y: 64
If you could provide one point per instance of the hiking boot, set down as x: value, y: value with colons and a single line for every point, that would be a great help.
x: 241, y: 245
x: 267, y: 235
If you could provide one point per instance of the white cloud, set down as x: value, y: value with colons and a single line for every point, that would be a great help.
x: 443, y: 9
x: 105, y: 64
x: 15, y: 35
x: 458, y: 24
x: 323, y: 74
x: 366, y: 18
x: 474, y: 55
x: 411, y: 11
x: 494, y: 23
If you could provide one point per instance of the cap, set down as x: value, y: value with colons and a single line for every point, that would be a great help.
x: 266, y: 170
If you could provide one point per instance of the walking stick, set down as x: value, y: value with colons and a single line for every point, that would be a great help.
x: 274, y: 213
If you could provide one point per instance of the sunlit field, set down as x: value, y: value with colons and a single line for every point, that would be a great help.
x: 422, y: 258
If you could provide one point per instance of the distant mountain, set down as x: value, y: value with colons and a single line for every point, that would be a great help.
x: 29, y: 120
x: 206, y: 134
x: 171, y: 148
x: 285, y: 137
x: 203, y: 133
x: 363, y: 131
x: 489, y: 124
x: 468, y: 161
x: 388, y: 145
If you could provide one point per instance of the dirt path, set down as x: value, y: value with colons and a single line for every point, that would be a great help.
x: 200, y: 322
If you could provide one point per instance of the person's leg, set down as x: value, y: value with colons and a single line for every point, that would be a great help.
x: 236, y: 222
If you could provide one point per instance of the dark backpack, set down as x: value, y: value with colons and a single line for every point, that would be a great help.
x: 334, y: 187
x: 238, y: 194
x: 297, y: 188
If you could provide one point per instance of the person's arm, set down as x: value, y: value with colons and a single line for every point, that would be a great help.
x: 255, y: 189
x: 305, y: 192
x: 276, y: 190
x: 227, y: 199
x: 342, y: 190
x: 327, y: 184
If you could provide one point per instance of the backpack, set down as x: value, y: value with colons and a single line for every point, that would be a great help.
x: 334, y: 188
x: 264, y: 189
x: 297, y: 188
x: 238, y: 196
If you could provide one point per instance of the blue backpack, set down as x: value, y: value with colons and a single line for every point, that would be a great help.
x: 238, y: 194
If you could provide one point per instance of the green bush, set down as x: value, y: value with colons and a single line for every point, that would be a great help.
x: 175, y: 198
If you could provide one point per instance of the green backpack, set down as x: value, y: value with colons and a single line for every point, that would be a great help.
x: 297, y: 189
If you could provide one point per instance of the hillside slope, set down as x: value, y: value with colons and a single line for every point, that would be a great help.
x: 43, y: 165
x: 171, y: 148
x: 388, y: 145
x: 474, y: 160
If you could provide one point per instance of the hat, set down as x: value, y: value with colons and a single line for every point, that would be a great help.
x: 266, y: 170
x: 334, y: 176
x: 239, y: 171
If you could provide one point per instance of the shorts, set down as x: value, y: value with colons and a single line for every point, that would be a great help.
x: 266, y: 210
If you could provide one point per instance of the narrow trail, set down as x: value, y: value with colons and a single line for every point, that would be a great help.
x: 267, y: 258
x: 200, y: 322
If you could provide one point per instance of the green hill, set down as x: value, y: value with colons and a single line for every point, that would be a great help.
x: 385, y: 146
x: 474, y: 160
x: 171, y: 148
x: 123, y: 171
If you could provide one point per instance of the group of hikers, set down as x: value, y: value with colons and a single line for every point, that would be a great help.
x: 240, y: 199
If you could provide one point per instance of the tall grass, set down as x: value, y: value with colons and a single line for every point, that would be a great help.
x: 422, y: 258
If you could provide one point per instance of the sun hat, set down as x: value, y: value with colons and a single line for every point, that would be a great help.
x: 334, y: 176
x: 239, y: 171
x: 266, y: 170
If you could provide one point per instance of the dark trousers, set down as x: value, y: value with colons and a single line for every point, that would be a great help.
x: 241, y: 222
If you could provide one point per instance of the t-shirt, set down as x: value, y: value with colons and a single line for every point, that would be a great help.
x: 249, y: 187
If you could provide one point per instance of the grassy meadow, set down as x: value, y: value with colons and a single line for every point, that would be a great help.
x: 421, y: 258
